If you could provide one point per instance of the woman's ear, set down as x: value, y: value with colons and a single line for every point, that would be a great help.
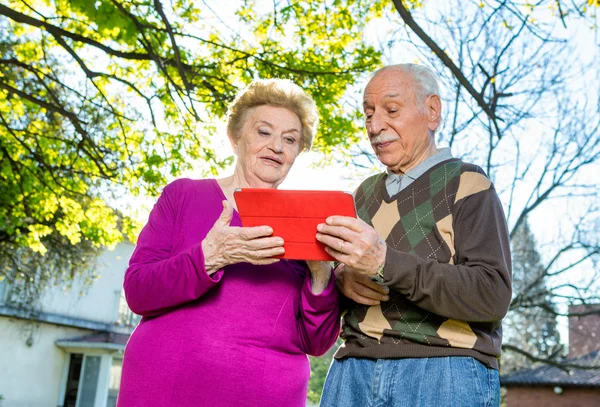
x: 233, y: 143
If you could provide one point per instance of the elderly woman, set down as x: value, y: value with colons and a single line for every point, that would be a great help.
x: 224, y: 322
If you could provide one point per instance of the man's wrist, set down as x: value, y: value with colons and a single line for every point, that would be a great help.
x: 378, y: 276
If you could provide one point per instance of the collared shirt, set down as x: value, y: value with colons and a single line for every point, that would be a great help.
x: 395, y: 183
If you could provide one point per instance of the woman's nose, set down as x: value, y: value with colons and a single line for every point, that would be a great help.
x: 276, y: 144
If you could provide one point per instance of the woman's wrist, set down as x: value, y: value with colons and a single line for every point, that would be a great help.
x: 212, y: 259
x: 318, y: 285
x: 320, y: 275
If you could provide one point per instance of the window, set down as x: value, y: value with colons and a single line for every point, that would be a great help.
x: 89, y: 381
x: 73, y: 380
x: 82, y: 381
x: 114, y: 382
x: 92, y: 381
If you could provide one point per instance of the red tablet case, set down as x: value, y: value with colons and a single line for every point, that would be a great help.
x: 294, y: 216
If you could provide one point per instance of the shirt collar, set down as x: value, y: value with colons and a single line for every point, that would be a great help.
x: 442, y: 154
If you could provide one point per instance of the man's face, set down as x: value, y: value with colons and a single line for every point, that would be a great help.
x: 398, y: 128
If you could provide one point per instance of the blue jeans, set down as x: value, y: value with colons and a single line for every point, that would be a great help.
x: 426, y: 382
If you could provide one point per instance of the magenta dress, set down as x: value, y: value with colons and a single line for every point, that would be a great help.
x: 236, y: 338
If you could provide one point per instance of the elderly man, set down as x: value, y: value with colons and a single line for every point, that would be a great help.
x: 426, y: 269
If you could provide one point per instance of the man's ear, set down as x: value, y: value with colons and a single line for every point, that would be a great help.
x: 434, y: 112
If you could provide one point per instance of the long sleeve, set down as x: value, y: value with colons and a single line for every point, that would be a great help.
x: 478, y: 287
x: 319, y: 320
x: 156, y: 281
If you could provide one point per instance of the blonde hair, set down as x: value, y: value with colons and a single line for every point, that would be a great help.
x: 279, y: 93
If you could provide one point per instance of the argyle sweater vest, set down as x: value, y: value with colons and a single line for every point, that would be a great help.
x: 420, y: 220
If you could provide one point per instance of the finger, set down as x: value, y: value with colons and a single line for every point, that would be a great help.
x: 371, y: 285
x: 226, y: 214
x: 253, y: 232
x: 368, y: 292
x: 262, y: 243
x: 341, y: 257
x: 354, y: 224
x: 333, y: 242
x: 263, y: 262
x: 362, y: 300
x: 256, y: 256
x: 266, y: 253
x: 341, y: 232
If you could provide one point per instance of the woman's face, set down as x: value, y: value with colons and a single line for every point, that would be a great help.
x: 268, y: 145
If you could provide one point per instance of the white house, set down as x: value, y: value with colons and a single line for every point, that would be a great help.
x: 71, y: 354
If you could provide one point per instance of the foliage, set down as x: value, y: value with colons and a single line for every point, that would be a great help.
x: 30, y: 272
x: 319, y: 366
x: 101, y: 99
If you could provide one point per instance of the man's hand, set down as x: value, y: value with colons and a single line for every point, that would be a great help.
x: 224, y: 245
x: 353, y: 242
x: 359, y: 287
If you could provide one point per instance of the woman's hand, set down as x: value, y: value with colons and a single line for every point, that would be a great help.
x: 224, y: 245
x: 320, y: 273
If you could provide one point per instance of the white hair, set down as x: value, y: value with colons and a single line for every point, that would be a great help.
x: 425, y: 81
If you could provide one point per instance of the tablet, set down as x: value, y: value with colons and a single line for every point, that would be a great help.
x: 294, y: 216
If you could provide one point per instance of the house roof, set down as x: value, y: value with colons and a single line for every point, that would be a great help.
x: 98, y: 340
x: 586, y: 376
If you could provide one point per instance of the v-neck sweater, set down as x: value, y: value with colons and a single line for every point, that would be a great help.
x: 447, y: 265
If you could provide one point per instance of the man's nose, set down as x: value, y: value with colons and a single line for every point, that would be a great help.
x: 376, y: 124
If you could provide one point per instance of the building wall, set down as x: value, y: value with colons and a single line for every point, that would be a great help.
x: 30, y: 375
x: 542, y: 396
x: 584, y: 331
x: 31, y: 365
x: 100, y: 301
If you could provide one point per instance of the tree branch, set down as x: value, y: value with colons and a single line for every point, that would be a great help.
x: 409, y: 20
x: 566, y: 367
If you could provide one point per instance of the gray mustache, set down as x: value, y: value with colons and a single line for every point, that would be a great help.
x: 384, y: 138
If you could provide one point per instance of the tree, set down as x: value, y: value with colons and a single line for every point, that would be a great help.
x: 532, y: 329
x: 519, y: 107
x: 99, y: 99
